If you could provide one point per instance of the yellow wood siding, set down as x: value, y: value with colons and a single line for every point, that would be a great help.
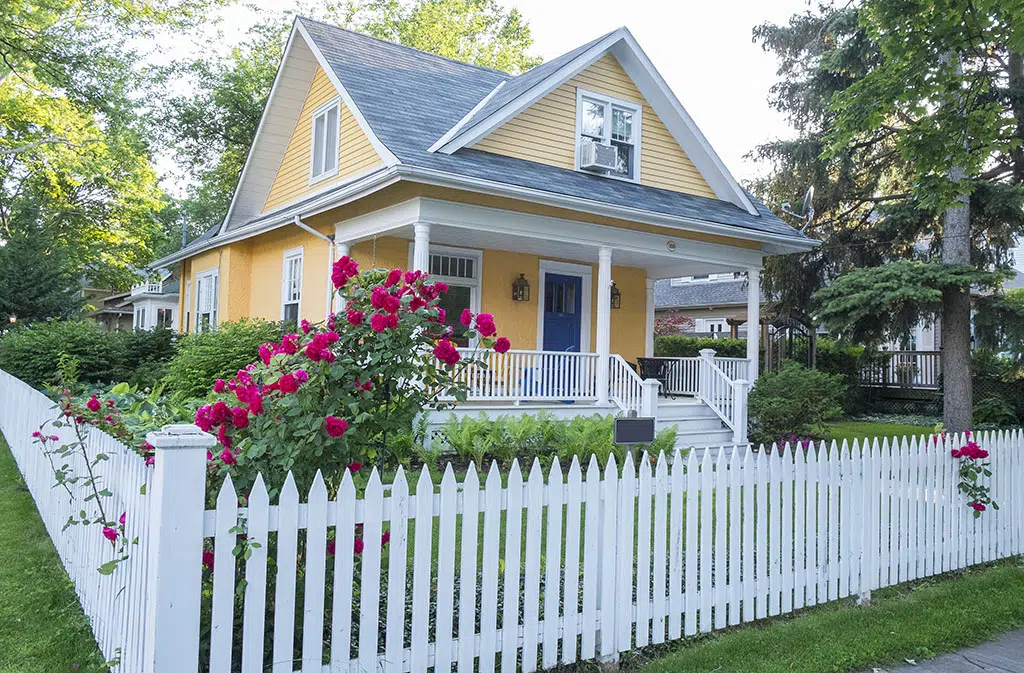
x: 355, y: 152
x: 546, y: 131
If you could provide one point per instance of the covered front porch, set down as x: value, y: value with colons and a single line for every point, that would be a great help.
x: 577, y: 301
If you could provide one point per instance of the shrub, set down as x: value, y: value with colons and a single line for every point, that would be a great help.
x: 205, y: 357
x: 32, y: 353
x: 994, y: 410
x: 794, y: 400
x: 681, y: 346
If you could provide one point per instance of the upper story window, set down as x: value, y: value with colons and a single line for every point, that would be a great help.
x: 291, y: 285
x: 165, y: 317
x: 324, y: 162
x: 613, y: 127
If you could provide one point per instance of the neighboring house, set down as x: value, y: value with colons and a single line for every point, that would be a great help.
x: 155, y: 303
x: 109, y: 311
x: 584, y: 176
x: 715, y: 304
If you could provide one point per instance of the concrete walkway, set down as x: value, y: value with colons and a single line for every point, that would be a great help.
x: 1003, y: 655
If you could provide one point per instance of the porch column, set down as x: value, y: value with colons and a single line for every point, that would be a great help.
x: 421, y: 247
x: 340, y: 250
x: 604, y: 321
x: 753, y: 321
x: 649, y: 334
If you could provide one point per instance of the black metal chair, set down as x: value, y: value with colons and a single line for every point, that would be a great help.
x: 654, y: 368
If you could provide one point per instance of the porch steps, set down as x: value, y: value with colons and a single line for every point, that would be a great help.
x: 697, y: 426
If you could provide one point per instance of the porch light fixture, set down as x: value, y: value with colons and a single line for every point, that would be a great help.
x: 616, y: 296
x: 12, y: 318
x: 521, y: 288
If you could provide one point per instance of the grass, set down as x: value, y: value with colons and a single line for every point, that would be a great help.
x: 916, y: 621
x: 851, y: 430
x: 42, y: 627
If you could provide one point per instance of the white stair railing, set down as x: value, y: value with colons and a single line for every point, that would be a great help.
x: 726, y: 396
x: 682, y: 375
x: 625, y: 387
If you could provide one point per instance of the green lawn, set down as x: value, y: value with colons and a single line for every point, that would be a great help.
x: 907, y: 622
x: 851, y: 430
x: 42, y: 628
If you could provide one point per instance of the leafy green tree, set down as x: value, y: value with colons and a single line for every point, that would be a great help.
x: 35, y: 283
x: 910, y: 116
x: 211, y: 129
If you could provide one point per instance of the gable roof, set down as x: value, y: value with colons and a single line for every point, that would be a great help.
x: 405, y: 100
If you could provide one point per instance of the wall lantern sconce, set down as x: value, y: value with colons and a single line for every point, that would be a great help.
x: 521, y: 288
x: 12, y: 319
x: 616, y: 296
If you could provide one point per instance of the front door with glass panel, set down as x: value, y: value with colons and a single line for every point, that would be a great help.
x: 563, y: 297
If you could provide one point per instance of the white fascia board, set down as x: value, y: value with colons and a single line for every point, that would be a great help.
x: 339, y: 195
x: 679, y: 123
x: 378, y: 222
x: 386, y: 155
x: 484, y: 126
x: 259, y: 129
x: 482, y: 218
x: 781, y: 244
x: 462, y: 122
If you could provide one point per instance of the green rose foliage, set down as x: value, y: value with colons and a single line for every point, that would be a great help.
x: 338, y: 396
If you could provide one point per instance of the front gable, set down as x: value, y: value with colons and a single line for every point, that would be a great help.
x: 356, y: 153
x: 545, y: 132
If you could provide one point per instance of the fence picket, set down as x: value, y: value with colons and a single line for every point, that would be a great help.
x: 608, y: 567
x: 424, y: 521
x: 735, y: 534
x: 775, y: 532
x: 467, y: 567
x: 284, y: 599
x: 344, y: 541
x: 570, y: 604
x: 719, y: 562
x: 749, y: 581
x: 760, y: 578
x: 705, y: 553
x: 369, y: 576
x: 592, y: 551
x: 799, y: 526
x: 446, y: 526
x: 316, y: 576
x: 489, y: 569
x: 254, y: 610
x: 660, y: 607
x: 643, y: 553
x: 683, y: 613
x: 223, y: 603
x: 394, y: 625
x: 531, y: 594
x: 786, y: 458
x: 552, y: 566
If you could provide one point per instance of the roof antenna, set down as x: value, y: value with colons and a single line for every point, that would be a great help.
x: 807, y: 214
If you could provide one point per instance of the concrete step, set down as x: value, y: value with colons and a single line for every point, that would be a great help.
x: 703, y: 438
x: 684, y: 411
x: 702, y: 423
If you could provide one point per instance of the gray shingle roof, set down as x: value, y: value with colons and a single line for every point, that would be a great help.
x: 700, y: 294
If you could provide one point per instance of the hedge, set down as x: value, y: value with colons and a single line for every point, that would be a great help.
x: 682, y: 346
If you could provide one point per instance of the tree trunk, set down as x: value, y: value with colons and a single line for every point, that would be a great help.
x: 956, y: 317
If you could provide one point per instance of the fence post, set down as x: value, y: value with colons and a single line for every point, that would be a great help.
x: 739, y: 412
x: 178, y: 491
x: 649, y: 397
x: 707, y: 356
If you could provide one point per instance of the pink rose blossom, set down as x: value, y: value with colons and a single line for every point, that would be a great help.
x: 354, y: 317
x: 502, y: 345
x: 446, y: 352
x: 93, y: 404
x: 335, y: 426
x: 109, y: 533
x: 466, y: 318
x: 485, y: 325
x: 394, y: 276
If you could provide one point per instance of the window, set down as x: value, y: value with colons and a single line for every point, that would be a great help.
x: 324, y: 161
x: 188, y: 307
x: 291, y: 285
x: 609, y: 121
x: 140, y: 318
x: 164, y: 317
x: 207, y: 289
x: 460, y: 269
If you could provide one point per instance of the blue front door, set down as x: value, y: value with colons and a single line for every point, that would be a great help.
x: 563, y: 296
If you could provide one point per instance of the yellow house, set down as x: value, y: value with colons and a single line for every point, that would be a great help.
x: 552, y: 199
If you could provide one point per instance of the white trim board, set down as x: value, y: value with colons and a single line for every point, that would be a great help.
x: 586, y: 273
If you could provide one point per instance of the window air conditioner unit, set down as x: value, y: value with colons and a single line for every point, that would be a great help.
x: 595, y: 156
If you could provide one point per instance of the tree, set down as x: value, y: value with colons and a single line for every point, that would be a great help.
x: 888, y: 97
x: 35, y: 283
x: 212, y: 129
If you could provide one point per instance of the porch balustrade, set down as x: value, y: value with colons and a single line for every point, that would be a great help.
x: 528, y: 376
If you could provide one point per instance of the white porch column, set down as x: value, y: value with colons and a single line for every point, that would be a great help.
x: 649, y: 332
x: 340, y: 250
x: 421, y: 247
x: 753, y: 321
x: 604, y: 321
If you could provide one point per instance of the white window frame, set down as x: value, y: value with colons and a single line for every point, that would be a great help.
x: 290, y: 255
x: 609, y: 102
x: 170, y: 319
x: 140, y: 318
x: 186, y: 323
x: 208, y: 276
x: 474, y: 284
x: 322, y: 111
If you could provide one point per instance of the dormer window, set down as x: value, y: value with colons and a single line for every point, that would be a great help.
x: 324, y: 162
x: 608, y: 136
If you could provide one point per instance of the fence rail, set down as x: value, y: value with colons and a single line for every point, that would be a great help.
x: 114, y: 604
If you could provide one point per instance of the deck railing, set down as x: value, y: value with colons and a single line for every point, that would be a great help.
x: 903, y: 369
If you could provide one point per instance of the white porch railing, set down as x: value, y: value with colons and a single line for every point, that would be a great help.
x: 625, y: 387
x: 522, y: 375
x: 682, y: 375
x: 725, y: 395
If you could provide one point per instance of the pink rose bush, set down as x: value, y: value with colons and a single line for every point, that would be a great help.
x: 333, y: 397
x: 972, y: 469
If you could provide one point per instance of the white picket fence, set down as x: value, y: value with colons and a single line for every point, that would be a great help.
x: 114, y: 604
x: 521, y: 575
x: 590, y: 563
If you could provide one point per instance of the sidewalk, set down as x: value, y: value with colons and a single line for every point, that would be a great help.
x: 1003, y: 655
